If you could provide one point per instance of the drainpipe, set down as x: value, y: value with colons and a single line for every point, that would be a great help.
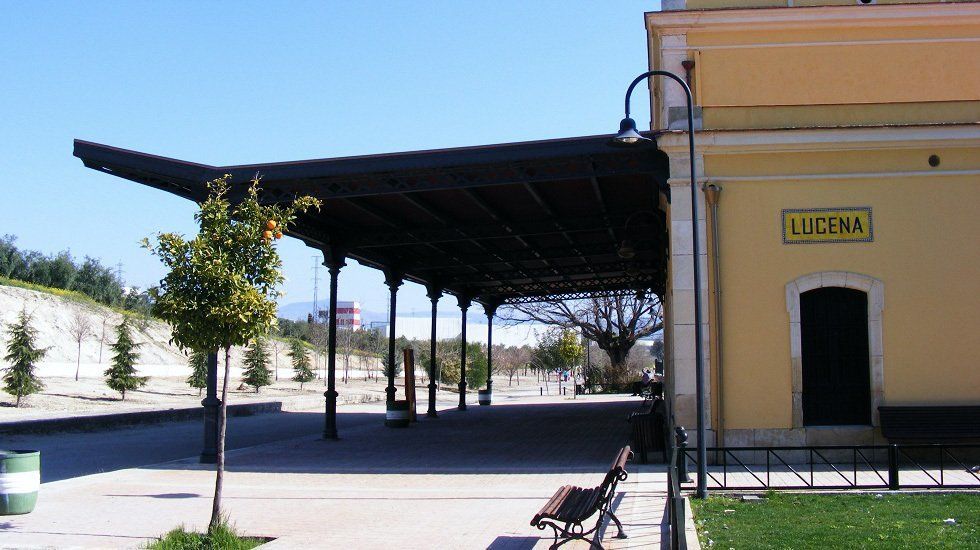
x: 688, y: 65
x: 712, y: 193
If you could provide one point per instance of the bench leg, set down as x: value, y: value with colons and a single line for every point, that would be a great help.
x: 606, y: 510
x: 619, y: 525
x: 568, y: 533
x: 569, y: 537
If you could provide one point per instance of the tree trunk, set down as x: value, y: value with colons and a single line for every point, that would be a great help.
x: 102, y: 339
x: 618, y: 354
x: 78, y: 361
x: 219, y: 477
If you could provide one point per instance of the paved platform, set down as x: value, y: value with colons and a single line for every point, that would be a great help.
x: 468, y: 479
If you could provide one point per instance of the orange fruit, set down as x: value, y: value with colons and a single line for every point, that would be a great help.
x: 267, y: 235
x: 278, y: 234
x: 271, y: 224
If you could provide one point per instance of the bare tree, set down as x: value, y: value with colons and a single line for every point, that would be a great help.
x: 276, y: 347
x: 318, y: 337
x: 512, y: 360
x: 80, y: 328
x: 105, y: 321
x: 614, y: 323
x: 345, y: 339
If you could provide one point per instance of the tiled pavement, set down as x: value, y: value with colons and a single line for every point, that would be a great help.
x: 465, y: 480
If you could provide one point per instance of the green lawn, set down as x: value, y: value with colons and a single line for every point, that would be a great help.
x: 783, y: 520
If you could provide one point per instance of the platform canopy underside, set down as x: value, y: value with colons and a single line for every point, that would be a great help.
x: 498, y: 224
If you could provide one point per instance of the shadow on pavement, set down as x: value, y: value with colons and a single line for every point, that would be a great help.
x: 578, y: 436
x: 513, y: 543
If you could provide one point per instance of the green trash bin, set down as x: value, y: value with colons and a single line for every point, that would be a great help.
x: 20, y: 479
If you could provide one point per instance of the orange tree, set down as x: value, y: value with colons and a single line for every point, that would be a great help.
x: 222, y: 285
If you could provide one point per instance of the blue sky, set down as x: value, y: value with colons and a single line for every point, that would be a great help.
x: 245, y: 82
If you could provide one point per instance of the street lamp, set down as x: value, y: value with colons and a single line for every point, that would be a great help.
x: 628, y: 136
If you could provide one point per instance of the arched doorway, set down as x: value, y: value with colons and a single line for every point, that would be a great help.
x: 836, y: 360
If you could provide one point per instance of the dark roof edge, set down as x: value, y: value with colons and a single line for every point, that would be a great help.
x: 95, y: 153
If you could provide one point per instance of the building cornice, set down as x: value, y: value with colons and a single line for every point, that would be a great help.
x: 814, y: 17
x: 823, y: 139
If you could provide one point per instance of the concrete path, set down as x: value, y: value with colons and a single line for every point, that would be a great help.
x: 468, y: 479
x: 72, y: 454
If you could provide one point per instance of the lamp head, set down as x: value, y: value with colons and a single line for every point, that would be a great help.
x: 628, y: 135
x: 626, y: 250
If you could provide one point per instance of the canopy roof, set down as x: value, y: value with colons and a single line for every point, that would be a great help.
x: 499, y: 224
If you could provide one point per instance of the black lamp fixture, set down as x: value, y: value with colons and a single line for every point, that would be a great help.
x: 628, y: 136
x: 626, y: 250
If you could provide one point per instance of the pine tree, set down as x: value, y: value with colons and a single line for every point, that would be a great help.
x: 121, y: 376
x: 199, y: 371
x: 256, y: 362
x: 22, y: 354
x: 301, y: 363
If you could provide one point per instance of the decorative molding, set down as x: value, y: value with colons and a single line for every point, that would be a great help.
x: 824, y: 139
x: 767, y: 45
x: 876, y: 304
x: 782, y: 178
x: 812, y: 17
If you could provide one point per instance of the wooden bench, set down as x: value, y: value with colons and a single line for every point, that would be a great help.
x: 653, y: 390
x: 930, y: 423
x: 648, y: 430
x: 571, y: 506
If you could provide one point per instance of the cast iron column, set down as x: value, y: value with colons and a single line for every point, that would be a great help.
x: 334, y: 260
x: 464, y: 304
x: 393, y: 280
x: 434, y: 293
x: 209, y: 455
x: 490, y: 310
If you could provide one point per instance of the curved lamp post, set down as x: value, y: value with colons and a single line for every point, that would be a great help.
x: 626, y: 137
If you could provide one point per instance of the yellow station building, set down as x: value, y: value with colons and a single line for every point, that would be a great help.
x: 839, y: 150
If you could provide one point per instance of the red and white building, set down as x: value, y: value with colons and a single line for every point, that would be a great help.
x: 348, y: 315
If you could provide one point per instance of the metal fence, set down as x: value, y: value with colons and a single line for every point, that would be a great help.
x: 838, y: 467
x: 675, y: 501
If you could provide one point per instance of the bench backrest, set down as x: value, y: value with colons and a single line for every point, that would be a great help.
x: 938, y: 423
x: 617, y: 472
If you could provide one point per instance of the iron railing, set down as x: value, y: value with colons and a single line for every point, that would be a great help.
x: 840, y: 467
x: 676, y: 511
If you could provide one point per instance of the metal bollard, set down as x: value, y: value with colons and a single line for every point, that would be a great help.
x: 541, y: 390
x: 680, y: 435
x: 893, y: 482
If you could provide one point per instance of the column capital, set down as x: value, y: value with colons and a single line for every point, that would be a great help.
x: 334, y: 258
x: 490, y: 307
x: 464, y: 301
x: 393, y: 278
x: 433, y: 291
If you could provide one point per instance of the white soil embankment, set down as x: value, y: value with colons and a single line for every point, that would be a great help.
x: 166, y: 365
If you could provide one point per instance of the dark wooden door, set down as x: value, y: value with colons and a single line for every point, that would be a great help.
x: 836, y: 372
